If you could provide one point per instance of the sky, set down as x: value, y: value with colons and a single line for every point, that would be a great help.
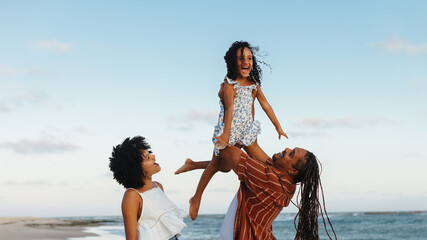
x: 348, y: 81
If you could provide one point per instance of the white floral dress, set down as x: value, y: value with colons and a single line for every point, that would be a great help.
x: 244, y: 130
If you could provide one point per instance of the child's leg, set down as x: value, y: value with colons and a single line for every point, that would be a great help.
x: 190, y: 165
x: 213, y: 167
x: 255, y: 151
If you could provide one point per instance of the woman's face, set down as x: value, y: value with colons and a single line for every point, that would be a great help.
x: 244, y: 62
x: 149, y: 165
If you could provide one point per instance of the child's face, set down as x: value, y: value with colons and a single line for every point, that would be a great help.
x: 244, y: 62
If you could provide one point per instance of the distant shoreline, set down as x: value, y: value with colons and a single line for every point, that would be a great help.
x: 393, y: 212
x: 28, y: 228
x: 347, y: 212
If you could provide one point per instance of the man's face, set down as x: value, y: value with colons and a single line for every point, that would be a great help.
x: 287, y: 159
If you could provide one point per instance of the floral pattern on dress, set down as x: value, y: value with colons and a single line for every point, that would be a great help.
x: 244, y: 130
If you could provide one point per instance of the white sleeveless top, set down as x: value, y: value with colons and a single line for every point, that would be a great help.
x: 160, y: 217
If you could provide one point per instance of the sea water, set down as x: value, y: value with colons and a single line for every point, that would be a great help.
x: 348, y: 225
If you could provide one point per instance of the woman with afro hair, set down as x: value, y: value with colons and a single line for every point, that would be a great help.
x: 147, y: 212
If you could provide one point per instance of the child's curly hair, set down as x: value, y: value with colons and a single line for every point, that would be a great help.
x: 231, y: 60
x: 125, y: 162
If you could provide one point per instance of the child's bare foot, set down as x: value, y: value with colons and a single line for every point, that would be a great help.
x: 194, y: 208
x: 186, y: 167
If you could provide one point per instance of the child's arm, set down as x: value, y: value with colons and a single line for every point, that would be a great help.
x: 224, y: 138
x: 269, y: 111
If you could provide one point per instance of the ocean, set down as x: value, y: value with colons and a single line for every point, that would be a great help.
x: 347, y: 225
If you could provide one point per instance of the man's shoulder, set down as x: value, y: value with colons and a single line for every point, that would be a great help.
x: 246, y: 160
x: 245, y: 157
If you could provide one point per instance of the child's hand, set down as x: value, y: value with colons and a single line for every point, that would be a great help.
x: 281, y: 132
x: 222, y: 141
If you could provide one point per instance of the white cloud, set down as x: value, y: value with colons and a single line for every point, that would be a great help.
x: 26, y: 146
x: 195, y: 116
x: 317, y: 122
x: 181, y: 142
x: 180, y: 126
x: 7, y: 72
x: 21, y: 99
x: 398, y: 45
x: 349, y: 122
x: 82, y: 130
x: 305, y: 134
x: 38, y: 72
x: 418, y: 83
x: 64, y: 184
x: 54, y: 45
x: 204, y: 142
x: 38, y: 182
x: 186, y: 121
x: 108, y: 175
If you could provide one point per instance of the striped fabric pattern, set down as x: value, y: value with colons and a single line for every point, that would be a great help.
x: 260, y: 198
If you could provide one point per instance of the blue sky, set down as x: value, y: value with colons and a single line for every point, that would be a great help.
x: 348, y: 82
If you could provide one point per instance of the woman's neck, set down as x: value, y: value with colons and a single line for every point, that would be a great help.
x: 148, y: 184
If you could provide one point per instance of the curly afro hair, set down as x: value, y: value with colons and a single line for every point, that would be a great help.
x: 230, y: 58
x: 125, y: 162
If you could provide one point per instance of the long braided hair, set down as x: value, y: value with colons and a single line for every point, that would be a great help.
x: 309, y: 206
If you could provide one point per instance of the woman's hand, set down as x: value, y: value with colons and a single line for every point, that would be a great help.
x: 222, y: 141
x: 281, y: 132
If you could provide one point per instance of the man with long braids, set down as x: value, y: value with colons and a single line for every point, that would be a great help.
x: 267, y: 185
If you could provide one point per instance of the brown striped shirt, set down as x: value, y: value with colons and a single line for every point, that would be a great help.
x: 260, y: 198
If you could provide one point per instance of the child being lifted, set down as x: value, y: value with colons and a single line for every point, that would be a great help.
x: 236, y: 125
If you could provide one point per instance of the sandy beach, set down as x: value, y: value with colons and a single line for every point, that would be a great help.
x: 32, y: 228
